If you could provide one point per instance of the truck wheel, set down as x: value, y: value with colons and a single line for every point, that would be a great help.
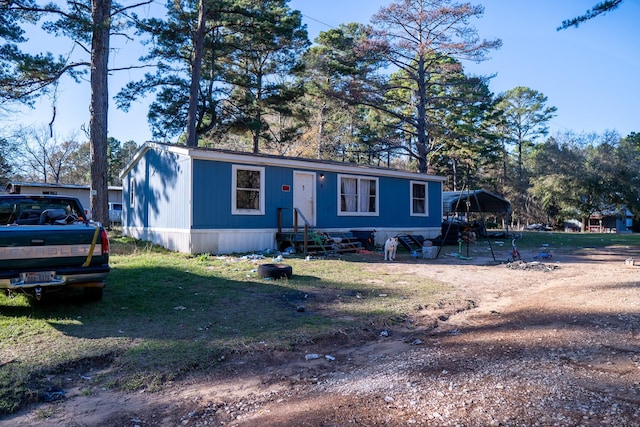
x: 93, y: 293
x: 275, y: 271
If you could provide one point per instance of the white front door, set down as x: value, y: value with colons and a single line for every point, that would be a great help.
x: 304, y: 196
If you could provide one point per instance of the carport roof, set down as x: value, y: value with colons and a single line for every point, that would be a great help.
x: 479, y: 201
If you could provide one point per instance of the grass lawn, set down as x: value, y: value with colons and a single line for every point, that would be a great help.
x: 164, y: 315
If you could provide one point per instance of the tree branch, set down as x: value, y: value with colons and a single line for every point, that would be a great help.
x: 598, y: 9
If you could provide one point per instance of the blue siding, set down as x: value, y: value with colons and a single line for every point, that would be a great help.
x: 394, y: 205
x: 212, y: 200
x: 183, y: 199
x: 327, y: 201
x: 212, y: 196
x: 161, y: 191
x: 276, y: 198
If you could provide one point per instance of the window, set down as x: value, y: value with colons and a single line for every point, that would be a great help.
x: 358, y: 196
x: 132, y: 192
x: 419, y: 206
x: 248, y: 190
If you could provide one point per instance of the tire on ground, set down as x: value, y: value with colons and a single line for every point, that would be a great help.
x: 275, y: 271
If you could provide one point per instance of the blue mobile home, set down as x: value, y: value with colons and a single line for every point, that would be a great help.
x: 198, y: 200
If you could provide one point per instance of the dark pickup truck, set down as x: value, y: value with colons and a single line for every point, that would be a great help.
x: 47, y: 244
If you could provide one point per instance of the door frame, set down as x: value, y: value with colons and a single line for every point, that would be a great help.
x: 296, y: 184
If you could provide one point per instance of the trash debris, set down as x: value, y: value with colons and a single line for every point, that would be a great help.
x: 52, y: 394
x: 312, y: 356
x: 429, y: 252
x: 329, y: 357
x: 180, y: 307
x: 384, y: 333
x: 252, y: 257
x: 535, y: 265
x: 459, y: 256
x: 543, y: 254
x: 205, y: 328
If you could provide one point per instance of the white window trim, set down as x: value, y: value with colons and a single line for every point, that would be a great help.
x: 426, y: 198
x: 132, y: 193
x: 234, y: 178
x: 358, y: 178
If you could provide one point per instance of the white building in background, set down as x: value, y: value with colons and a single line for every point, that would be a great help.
x: 80, y: 192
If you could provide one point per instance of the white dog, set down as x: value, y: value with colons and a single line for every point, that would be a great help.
x: 390, y: 247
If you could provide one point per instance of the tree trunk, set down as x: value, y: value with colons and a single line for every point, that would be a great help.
x: 421, y: 113
x: 321, y: 111
x: 196, y: 66
x: 99, y: 197
x: 255, y: 136
x: 454, y: 173
x: 258, y: 118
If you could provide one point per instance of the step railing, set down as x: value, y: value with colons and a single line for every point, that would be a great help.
x: 296, y: 214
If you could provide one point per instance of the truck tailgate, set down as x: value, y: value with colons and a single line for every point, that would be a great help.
x: 49, y: 246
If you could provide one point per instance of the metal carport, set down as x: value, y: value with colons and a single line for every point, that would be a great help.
x: 474, y: 201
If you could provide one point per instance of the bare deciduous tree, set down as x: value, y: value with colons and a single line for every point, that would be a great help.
x: 42, y: 157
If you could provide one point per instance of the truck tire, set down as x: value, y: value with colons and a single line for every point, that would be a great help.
x: 275, y: 271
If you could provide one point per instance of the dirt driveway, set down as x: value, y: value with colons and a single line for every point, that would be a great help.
x: 556, y: 343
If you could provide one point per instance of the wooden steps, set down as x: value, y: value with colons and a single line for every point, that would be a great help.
x: 411, y: 243
x: 318, y: 242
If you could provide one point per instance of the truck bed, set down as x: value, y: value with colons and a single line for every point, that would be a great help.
x: 47, y: 244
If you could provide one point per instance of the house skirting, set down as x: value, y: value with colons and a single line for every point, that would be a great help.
x: 215, y: 242
x: 228, y: 241
x: 232, y: 241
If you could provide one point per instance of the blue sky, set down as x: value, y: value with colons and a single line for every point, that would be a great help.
x: 590, y: 73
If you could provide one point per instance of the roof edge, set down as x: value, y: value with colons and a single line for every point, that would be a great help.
x: 274, y: 160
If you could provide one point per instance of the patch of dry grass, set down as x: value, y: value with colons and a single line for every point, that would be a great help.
x: 164, y: 315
